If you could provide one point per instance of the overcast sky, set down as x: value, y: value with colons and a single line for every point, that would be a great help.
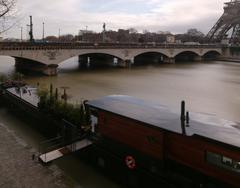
x: 154, y: 15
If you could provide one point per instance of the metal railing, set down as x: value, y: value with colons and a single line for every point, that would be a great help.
x: 76, y: 45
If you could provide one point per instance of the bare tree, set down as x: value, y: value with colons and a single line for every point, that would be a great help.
x: 6, y: 9
x: 194, y: 32
x: 132, y: 30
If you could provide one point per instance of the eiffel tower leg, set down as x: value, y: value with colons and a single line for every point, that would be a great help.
x: 235, y: 34
x: 212, y: 32
x: 229, y: 20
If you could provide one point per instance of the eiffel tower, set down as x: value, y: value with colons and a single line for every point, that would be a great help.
x: 229, y: 21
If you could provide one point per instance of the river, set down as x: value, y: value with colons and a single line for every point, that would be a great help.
x: 207, y: 87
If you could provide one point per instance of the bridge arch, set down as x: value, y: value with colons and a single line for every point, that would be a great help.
x: 188, y: 55
x: 138, y: 52
x: 150, y: 57
x: 211, y: 55
x: 23, y: 57
x: 97, y: 59
x: 28, y: 65
x: 106, y: 52
x: 90, y: 56
x: 178, y: 52
x: 27, y: 61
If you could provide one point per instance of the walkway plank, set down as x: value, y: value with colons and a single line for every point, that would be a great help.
x: 60, y: 152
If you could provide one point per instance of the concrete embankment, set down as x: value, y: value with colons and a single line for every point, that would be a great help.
x: 229, y: 59
x: 17, y: 168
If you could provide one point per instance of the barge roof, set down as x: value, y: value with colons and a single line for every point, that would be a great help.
x: 160, y: 116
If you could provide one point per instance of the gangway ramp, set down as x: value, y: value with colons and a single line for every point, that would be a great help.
x: 60, y: 152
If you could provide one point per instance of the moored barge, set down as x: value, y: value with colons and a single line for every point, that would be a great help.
x: 148, y: 140
x: 23, y: 99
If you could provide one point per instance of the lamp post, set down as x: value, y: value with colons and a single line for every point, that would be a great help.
x: 31, y: 30
x: 43, y: 32
x: 104, y: 32
x: 21, y: 34
x: 59, y: 34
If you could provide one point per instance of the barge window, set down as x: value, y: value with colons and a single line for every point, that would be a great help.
x: 223, y: 161
x: 213, y: 158
x: 227, y: 161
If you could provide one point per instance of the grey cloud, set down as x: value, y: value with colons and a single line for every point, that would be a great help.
x: 172, y: 15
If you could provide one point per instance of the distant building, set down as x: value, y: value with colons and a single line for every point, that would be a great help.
x: 85, y: 35
x: 123, y: 32
x: 178, y: 41
x: 82, y: 32
x: 170, y: 39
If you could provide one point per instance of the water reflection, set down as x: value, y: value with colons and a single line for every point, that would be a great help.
x: 7, y: 65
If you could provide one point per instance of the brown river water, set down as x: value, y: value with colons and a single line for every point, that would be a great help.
x: 207, y: 87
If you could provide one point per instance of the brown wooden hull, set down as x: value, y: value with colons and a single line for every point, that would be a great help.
x: 163, y: 145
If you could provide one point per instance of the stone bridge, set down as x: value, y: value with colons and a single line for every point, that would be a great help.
x: 45, y: 57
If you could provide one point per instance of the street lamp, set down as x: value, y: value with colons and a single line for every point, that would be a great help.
x: 31, y: 30
x: 43, y: 34
x: 104, y: 31
x: 59, y: 34
x: 21, y: 34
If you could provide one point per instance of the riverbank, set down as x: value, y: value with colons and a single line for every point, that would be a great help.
x: 17, y: 168
x: 229, y: 59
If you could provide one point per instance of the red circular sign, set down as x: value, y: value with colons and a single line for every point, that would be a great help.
x: 130, y: 162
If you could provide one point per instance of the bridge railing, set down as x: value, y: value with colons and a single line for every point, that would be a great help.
x: 76, y: 45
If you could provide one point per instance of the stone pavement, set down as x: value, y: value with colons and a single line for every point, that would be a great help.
x: 18, y: 170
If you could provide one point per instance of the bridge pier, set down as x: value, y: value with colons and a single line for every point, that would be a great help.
x: 198, y: 58
x: 124, y: 63
x: 148, y: 58
x: 50, y: 70
x: 28, y: 66
x: 227, y: 52
x: 97, y: 60
x: 169, y: 60
x: 132, y: 61
x: 83, y: 61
